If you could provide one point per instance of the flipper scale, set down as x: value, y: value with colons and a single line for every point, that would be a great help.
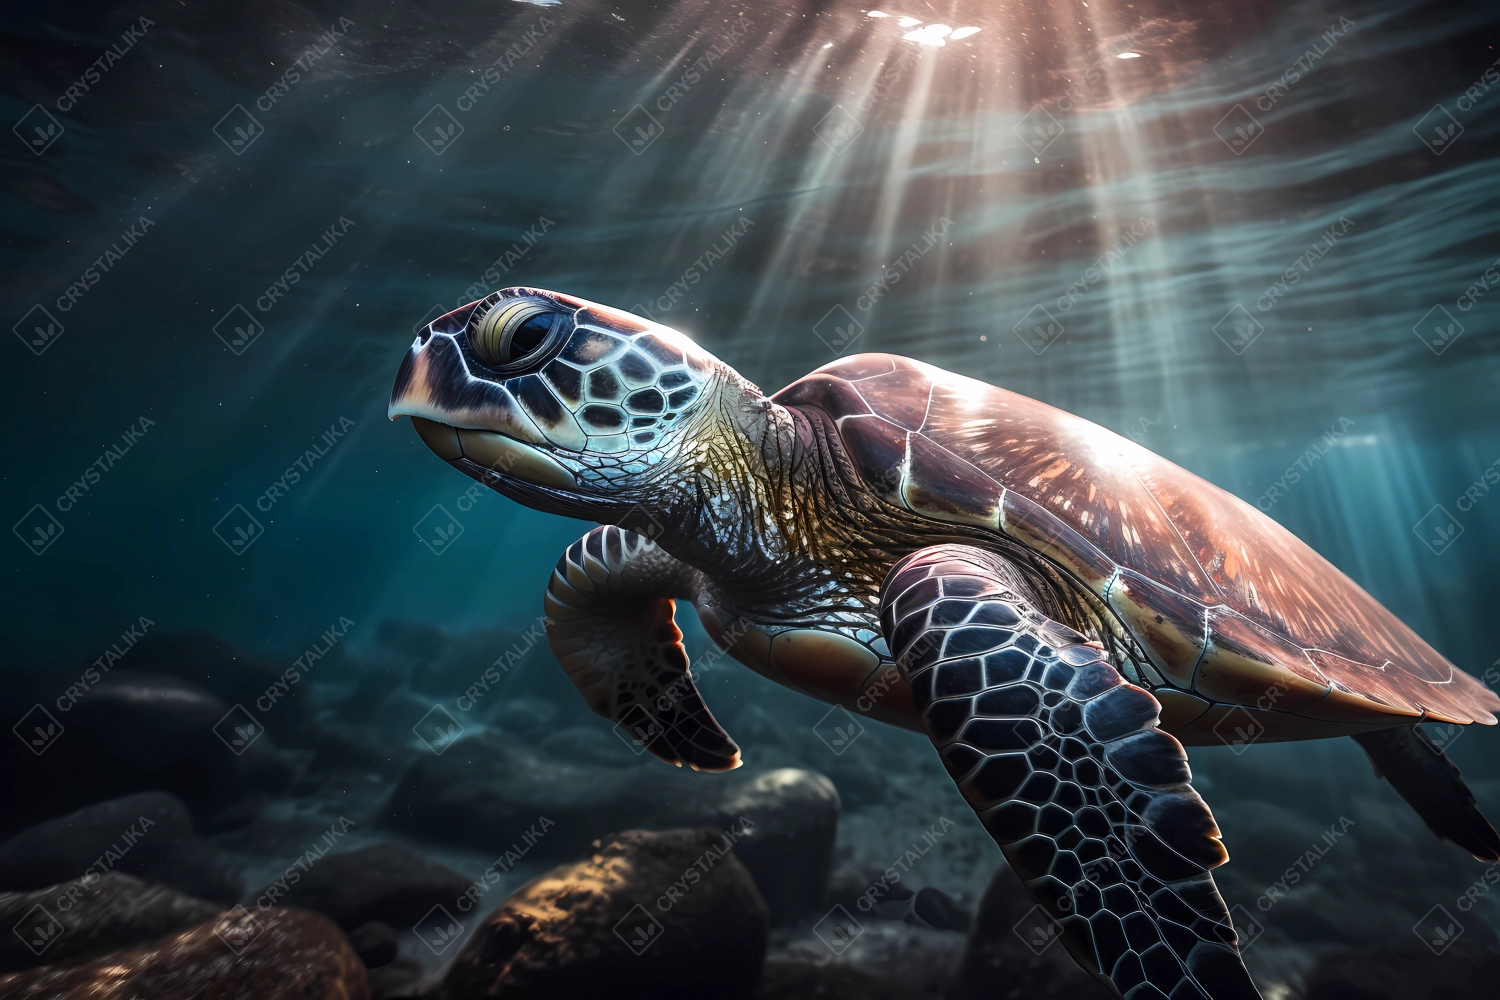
x: 1063, y: 762
x: 610, y: 603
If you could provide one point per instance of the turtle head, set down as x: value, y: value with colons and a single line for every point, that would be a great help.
x: 559, y: 403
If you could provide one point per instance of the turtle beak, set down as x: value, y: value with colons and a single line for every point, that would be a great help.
x: 434, y: 383
x: 472, y: 423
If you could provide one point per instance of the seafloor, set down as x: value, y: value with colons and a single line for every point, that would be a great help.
x: 530, y: 850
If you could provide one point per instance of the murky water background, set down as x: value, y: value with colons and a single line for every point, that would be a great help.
x: 1079, y: 202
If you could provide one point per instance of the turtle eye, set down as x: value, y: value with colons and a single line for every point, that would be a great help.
x: 515, y: 336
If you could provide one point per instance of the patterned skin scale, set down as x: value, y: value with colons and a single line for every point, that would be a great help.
x: 609, y: 606
x: 1063, y: 762
x: 821, y: 529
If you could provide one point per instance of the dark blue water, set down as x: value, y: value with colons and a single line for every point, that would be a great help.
x: 1079, y: 202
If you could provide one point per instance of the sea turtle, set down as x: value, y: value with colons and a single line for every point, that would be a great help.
x: 1056, y: 607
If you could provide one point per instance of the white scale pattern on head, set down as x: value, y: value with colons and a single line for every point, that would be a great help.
x: 631, y: 388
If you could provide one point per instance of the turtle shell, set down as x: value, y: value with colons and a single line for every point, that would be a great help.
x: 1228, y: 604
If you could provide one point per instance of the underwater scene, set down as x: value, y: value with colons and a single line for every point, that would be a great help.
x: 774, y: 500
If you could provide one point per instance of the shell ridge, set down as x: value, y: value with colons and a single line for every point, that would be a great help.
x: 1249, y: 574
x: 927, y: 412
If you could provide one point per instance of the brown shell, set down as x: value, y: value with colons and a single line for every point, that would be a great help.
x: 1227, y: 603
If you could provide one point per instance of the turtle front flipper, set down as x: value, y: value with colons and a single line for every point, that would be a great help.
x: 609, y: 621
x: 1063, y: 762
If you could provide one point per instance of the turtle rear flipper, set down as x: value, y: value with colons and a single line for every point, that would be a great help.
x: 1432, y: 785
x: 609, y: 620
x: 1064, y: 764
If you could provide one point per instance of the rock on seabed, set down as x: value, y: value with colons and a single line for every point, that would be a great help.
x: 113, y: 912
x: 605, y: 927
x: 275, y: 955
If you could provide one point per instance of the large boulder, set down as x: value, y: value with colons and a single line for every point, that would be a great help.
x: 486, y: 792
x: 149, y: 834
x: 98, y: 916
x: 791, y: 819
x: 381, y: 882
x: 238, y: 677
x: 1007, y: 959
x: 483, y: 792
x: 650, y: 916
x: 134, y: 731
x: 276, y: 955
